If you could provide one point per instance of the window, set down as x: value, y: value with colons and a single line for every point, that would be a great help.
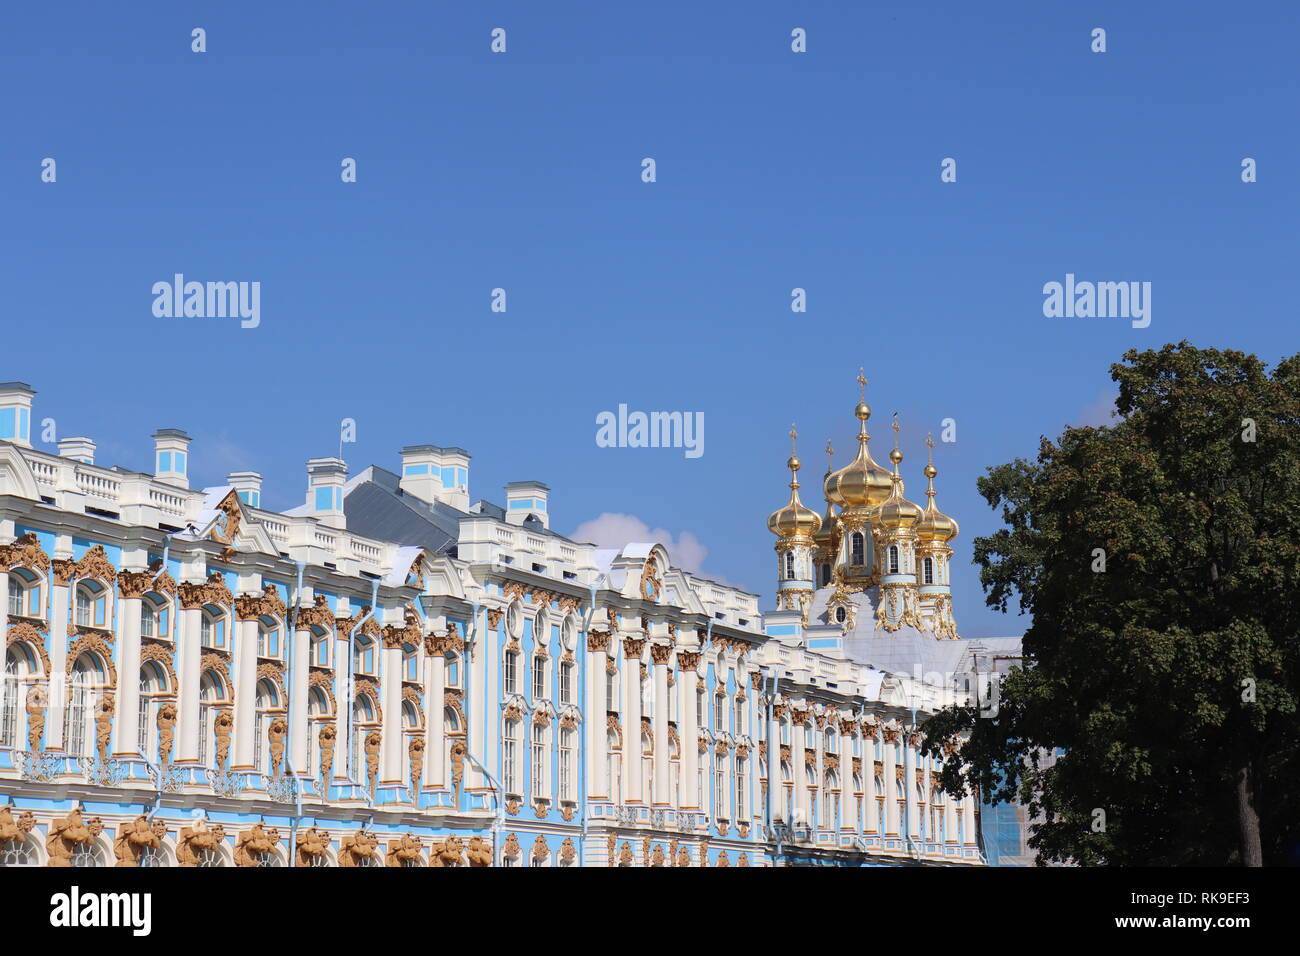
x: 611, y: 690
x: 787, y: 790
x: 267, y: 699
x: 212, y: 629
x: 363, y: 656
x: 566, y: 683
x: 720, y: 789
x: 928, y: 565
x: 210, y: 697
x: 147, y: 618
x: 739, y: 717
x: 363, y: 718
x: 87, y: 678
x: 537, y: 768
x: 893, y: 559
x: 567, y: 736
x: 614, y: 765
x: 830, y: 799
x: 699, y: 709
x: 510, y: 757
x: 858, y: 556
x: 826, y: 575
x: 318, y: 709
x: 92, y: 606
x: 539, y: 678
x: 16, y: 595
x: 452, y: 670
x: 857, y: 799
x: 648, y: 768
x: 789, y: 565
x: 268, y: 640
x: 840, y: 615
x: 742, y: 788
x: 510, y: 673
x: 19, y: 662
x: 719, y: 714
x: 320, y: 650
x: 153, y: 681
x: 410, y: 663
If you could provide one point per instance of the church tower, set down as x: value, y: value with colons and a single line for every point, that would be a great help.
x: 860, y: 487
x: 794, y: 526
x: 933, y: 533
x: 895, y: 524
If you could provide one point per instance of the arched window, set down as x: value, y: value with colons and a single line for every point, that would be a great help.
x: 893, y: 559
x: 648, y: 768
x: 858, y: 557
x: 87, y: 680
x: 268, y: 640
x: 674, y: 773
x: 318, y: 712
x: 928, y: 566
x: 148, y: 618
x: 410, y: 663
x: 841, y: 615
x: 19, y: 664
x: 789, y: 565
x: 829, y: 740
x: 17, y: 589
x: 614, y: 766
x: 787, y: 789
x: 364, y: 719
x: 212, y: 627
x: 510, y: 758
x: 857, y: 800
x: 320, y: 649
x: 363, y: 656
x: 568, y: 761
x: 266, y: 701
x: 20, y: 852
x: 153, y: 683
x: 410, y: 716
x: 211, y: 696
x: 537, y: 764
x: 830, y: 799
x: 451, y: 669
x: 92, y: 605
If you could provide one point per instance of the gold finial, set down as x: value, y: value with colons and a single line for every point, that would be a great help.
x: 863, y: 411
x: 862, y: 384
x: 830, y: 457
x: 793, y: 463
x: 930, y: 470
x: 895, y: 456
x: 794, y: 436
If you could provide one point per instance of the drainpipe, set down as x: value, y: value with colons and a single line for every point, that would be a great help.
x: 291, y: 640
x: 773, y: 762
x: 348, y: 685
x: 591, y: 616
x: 499, y: 807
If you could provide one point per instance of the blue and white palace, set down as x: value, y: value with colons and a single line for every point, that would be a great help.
x: 395, y: 674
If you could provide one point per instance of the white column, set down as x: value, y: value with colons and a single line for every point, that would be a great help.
x: 968, y: 811
x: 342, y: 660
x: 390, y: 691
x: 4, y: 606
x: 189, y: 654
x: 477, y: 659
x: 633, y: 790
x: 298, y: 728
x: 128, y: 678
x: 659, y: 655
x: 909, y: 787
x: 245, y: 695
x: 869, y: 784
x: 435, y: 741
x: 800, y: 773
x: 688, y: 693
x: 597, y: 710
x: 891, y: 788
x: 58, y: 610
x: 949, y: 818
x: 848, y: 795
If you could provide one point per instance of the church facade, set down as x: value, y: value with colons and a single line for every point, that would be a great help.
x: 392, y: 674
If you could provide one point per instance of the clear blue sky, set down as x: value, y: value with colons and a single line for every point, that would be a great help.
x: 522, y: 170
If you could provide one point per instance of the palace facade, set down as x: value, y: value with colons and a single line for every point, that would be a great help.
x: 394, y: 674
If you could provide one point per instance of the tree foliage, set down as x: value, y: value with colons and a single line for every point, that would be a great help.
x: 1167, y: 682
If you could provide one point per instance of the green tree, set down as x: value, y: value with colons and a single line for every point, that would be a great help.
x: 1159, y: 558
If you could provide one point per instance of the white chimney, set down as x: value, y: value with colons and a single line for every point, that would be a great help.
x: 172, y: 456
x: 325, y: 479
x: 432, y: 473
x: 82, y: 449
x: 524, y: 498
x: 248, y: 484
x: 16, y: 412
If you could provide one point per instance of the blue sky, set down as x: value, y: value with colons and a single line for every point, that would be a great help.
x: 522, y: 170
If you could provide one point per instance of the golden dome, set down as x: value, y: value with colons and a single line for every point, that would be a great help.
x: 861, y: 483
x: 897, y: 512
x: 825, y: 537
x: 794, y: 518
x: 934, y: 524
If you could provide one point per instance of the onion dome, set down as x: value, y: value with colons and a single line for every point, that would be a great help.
x: 934, y: 524
x: 794, y: 519
x: 897, y: 513
x: 826, y: 536
x: 861, y: 483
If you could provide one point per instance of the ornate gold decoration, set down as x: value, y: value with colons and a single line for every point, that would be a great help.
x: 326, y: 738
x: 542, y: 597
x: 275, y: 733
x: 313, y: 844
x: 221, y: 728
x: 403, y: 851
x: 372, y: 745
x: 166, y: 721
x: 511, y: 847
x: 742, y: 859
x: 513, y: 806
x: 194, y: 841
x: 722, y: 860
x: 213, y: 591
x: 409, y: 633
x: 94, y: 564
x: 132, y: 585
x: 317, y: 615
x: 683, y: 857
x: 250, y: 607
x: 598, y: 641
x: 27, y: 634
x: 104, y: 725
x: 370, y: 628
x: 64, y: 571
x: 632, y: 647
x: 212, y: 660
x: 274, y: 672
x: 540, y: 849
x: 446, y: 853
x: 134, y: 837
x: 458, y: 751
x: 625, y: 855
x: 164, y: 583
x: 514, y: 590
x: 568, y: 604
x: 611, y: 843
x: 661, y: 653
x: 358, y: 846
x: 91, y: 642
x: 365, y: 686
x: 67, y: 833
x: 568, y: 852
x: 688, y: 660
x: 494, y: 617
x: 478, y: 852
x: 25, y: 552
x: 326, y: 683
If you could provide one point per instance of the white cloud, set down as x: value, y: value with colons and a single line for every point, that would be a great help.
x: 614, y: 530
x: 1099, y: 412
